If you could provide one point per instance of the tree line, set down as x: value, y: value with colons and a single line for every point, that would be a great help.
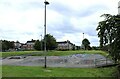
x: 51, y: 44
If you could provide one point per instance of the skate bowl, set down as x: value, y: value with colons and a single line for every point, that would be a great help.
x: 76, y: 60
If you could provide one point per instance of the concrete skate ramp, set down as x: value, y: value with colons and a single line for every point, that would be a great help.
x: 76, y: 60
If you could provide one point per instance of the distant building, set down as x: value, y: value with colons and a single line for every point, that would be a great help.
x: 24, y: 47
x: 65, y: 45
x: 17, y: 45
x: 30, y: 44
x: 119, y: 7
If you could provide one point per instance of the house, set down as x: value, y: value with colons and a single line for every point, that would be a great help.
x: 30, y: 44
x: 24, y: 46
x: 65, y: 45
x: 17, y: 45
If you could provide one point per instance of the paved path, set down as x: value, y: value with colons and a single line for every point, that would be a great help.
x: 77, y: 60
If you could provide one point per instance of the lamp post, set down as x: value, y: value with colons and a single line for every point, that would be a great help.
x: 41, y: 42
x: 83, y: 39
x: 46, y: 3
x: 83, y: 35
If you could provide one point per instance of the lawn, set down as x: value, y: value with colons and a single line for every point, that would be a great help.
x: 27, y: 71
x: 62, y: 53
x: 6, y: 54
x: 0, y: 71
x: 35, y: 71
x: 52, y: 53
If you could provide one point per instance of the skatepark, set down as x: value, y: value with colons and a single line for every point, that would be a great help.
x: 75, y: 60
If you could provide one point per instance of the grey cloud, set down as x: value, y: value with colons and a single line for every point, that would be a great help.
x: 87, y: 11
x: 60, y: 8
x: 57, y: 34
x: 91, y: 31
x: 82, y: 12
x: 64, y: 27
x: 29, y: 5
x: 8, y: 4
x: 28, y: 33
x: 24, y: 6
x: 61, y: 28
x: 94, y: 41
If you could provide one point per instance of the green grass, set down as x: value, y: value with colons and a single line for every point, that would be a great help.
x: 6, y: 54
x: 62, y: 53
x: 26, y: 71
x: 53, y: 53
x: 0, y: 71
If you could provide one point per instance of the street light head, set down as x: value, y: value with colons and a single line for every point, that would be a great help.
x: 46, y: 3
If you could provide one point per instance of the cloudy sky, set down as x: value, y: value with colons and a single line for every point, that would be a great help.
x: 23, y: 20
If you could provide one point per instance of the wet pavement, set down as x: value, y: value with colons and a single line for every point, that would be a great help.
x: 76, y: 60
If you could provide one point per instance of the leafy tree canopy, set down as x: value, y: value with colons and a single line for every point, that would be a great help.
x: 7, y: 45
x: 51, y: 43
x: 37, y: 45
x: 86, y: 43
x: 109, y: 34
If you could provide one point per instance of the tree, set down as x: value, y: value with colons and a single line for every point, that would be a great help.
x: 4, y: 46
x: 109, y: 33
x: 11, y: 44
x: 51, y: 43
x: 37, y: 45
x: 7, y: 45
x: 86, y: 43
x: 74, y: 47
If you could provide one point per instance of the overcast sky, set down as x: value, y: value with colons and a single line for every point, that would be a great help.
x: 23, y: 20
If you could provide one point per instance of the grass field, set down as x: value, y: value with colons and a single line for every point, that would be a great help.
x: 27, y: 71
x: 52, y: 53
x: 0, y: 71
x: 61, y: 53
x: 6, y: 54
x: 23, y: 71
